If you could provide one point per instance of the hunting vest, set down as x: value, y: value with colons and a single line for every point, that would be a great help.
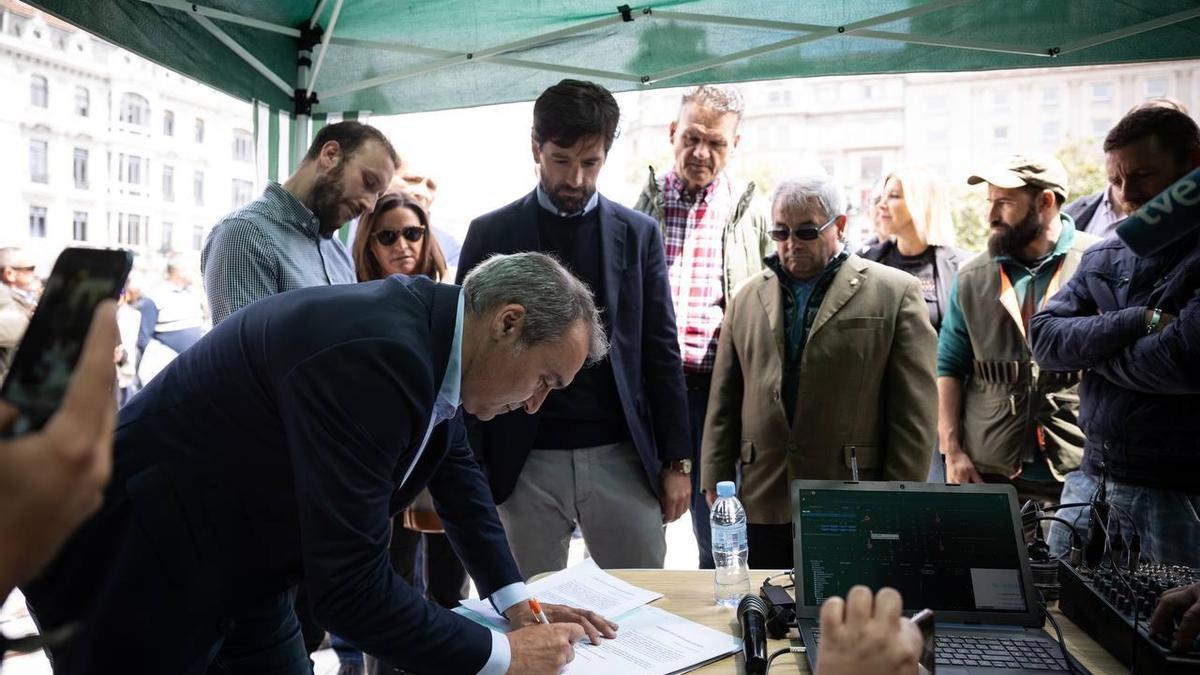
x: 1012, y: 410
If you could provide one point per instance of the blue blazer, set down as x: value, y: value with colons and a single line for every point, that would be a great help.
x: 270, y: 453
x: 640, y: 322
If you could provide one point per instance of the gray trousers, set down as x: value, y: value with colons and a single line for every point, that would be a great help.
x: 603, y: 489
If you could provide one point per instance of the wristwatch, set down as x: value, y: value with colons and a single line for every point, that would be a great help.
x: 1155, y: 318
x: 683, y: 466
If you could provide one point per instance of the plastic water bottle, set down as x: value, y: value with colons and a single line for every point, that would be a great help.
x: 728, y: 520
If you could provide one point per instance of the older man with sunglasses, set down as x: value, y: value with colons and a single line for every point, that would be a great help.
x: 824, y: 370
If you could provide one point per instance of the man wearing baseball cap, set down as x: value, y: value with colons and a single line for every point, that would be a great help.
x: 1000, y: 417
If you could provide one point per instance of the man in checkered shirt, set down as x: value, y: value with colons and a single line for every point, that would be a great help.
x: 284, y: 239
x: 715, y: 236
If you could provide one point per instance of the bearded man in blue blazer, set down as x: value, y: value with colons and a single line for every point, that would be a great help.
x: 611, y: 452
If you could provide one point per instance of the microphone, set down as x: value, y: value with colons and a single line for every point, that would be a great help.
x: 752, y: 615
x: 1164, y: 220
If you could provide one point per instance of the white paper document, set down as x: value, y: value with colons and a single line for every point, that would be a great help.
x: 584, y: 586
x: 653, y: 642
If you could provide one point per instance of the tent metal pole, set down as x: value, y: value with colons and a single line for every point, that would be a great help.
x: 325, y: 37
x: 298, y: 136
x: 925, y: 8
x: 194, y: 9
x: 316, y: 15
x: 977, y: 45
x: 954, y: 43
x: 242, y: 52
x: 467, y: 57
x: 1135, y: 29
x: 565, y: 69
x: 502, y: 60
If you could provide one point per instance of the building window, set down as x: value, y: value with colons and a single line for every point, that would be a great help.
x: 1051, y: 97
x: 131, y: 230
x: 1155, y: 87
x: 198, y: 188
x: 83, y: 101
x: 197, y: 237
x: 870, y: 167
x: 37, y: 221
x: 81, y: 168
x: 132, y: 169
x: 869, y: 91
x: 243, y: 191
x: 135, y: 109
x: 168, y: 188
x: 1050, y: 133
x: 168, y: 238
x: 39, y: 91
x: 1100, y: 127
x: 79, y: 226
x: 243, y: 146
x: 37, y: 162
x: 1102, y: 92
x: 199, y: 130
x: 168, y: 123
x: 779, y: 97
x: 1000, y: 135
x: 1000, y: 100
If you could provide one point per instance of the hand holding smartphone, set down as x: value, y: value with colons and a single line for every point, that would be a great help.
x: 50, y: 349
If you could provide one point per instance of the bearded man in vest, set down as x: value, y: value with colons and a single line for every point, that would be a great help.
x: 1001, y: 418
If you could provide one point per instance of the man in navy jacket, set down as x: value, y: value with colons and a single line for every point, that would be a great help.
x: 610, y: 453
x: 273, y: 453
x: 1133, y: 326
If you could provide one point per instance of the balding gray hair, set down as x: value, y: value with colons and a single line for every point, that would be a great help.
x: 554, y: 300
x: 10, y: 255
x: 806, y: 191
x: 721, y: 98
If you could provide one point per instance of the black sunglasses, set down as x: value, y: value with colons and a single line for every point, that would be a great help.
x: 802, y: 233
x: 412, y: 233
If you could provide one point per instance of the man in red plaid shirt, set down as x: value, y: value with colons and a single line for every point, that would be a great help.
x: 715, y: 236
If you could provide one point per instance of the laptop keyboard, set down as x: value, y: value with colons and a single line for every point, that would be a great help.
x: 993, y: 652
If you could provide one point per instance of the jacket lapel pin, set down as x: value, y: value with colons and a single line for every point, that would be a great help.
x: 854, y: 282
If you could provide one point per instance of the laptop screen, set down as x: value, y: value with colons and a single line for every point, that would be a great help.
x: 951, y: 549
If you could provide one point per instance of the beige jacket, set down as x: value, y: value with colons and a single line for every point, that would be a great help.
x: 866, y: 380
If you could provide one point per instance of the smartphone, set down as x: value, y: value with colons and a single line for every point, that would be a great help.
x: 924, y: 621
x: 41, y: 369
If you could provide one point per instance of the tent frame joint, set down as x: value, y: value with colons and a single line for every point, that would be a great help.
x: 626, y: 13
x: 310, y: 36
x: 302, y: 104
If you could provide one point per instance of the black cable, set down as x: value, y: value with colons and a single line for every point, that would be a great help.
x: 1062, y: 643
x: 1132, y: 598
x: 781, y: 652
x: 1078, y: 539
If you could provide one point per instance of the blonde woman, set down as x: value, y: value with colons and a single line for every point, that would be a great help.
x: 915, y: 212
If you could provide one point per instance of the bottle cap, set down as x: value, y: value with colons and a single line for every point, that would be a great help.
x: 726, y: 488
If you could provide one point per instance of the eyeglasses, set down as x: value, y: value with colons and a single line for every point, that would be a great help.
x: 388, y: 237
x: 807, y: 233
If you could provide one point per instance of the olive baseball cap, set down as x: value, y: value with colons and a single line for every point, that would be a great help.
x: 1044, y: 171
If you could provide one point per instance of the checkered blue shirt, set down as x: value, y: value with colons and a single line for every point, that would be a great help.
x: 271, y: 245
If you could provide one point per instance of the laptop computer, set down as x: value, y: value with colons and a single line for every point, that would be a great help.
x: 956, y: 549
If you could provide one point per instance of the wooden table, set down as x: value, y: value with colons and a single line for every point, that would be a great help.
x: 689, y: 593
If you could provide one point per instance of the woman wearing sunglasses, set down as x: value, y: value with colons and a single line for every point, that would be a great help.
x: 396, y: 238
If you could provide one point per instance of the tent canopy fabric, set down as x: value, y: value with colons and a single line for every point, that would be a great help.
x: 398, y: 56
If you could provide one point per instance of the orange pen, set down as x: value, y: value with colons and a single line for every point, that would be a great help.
x: 537, y: 611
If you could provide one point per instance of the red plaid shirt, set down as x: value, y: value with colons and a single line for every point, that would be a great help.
x: 692, y: 239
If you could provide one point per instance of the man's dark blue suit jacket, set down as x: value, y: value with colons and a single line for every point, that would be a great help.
x: 641, y: 328
x: 269, y: 454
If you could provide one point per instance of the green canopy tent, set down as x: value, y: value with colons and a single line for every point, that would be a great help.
x: 313, y: 59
